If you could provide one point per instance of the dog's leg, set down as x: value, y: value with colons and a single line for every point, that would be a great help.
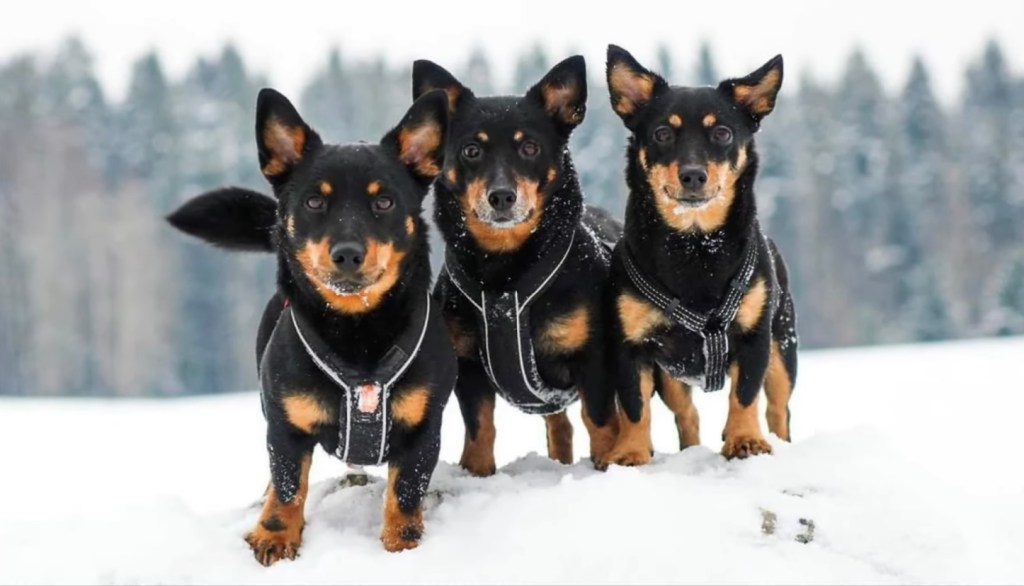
x: 678, y: 396
x: 742, y: 434
x: 559, y: 437
x: 778, y: 387
x: 600, y: 416
x: 476, y: 401
x: 781, y: 376
x: 633, y: 446
x: 602, y: 436
x: 278, y: 534
x: 408, y: 478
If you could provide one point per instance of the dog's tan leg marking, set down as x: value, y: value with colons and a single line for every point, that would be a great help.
x: 278, y: 534
x: 679, y: 398
x: 778, y: 387
x: 559, y: 437
x: 478, y: 453
x: 602, y: 438
x: 742, y: 429
x: 633, y: 446
x: 400, y: 530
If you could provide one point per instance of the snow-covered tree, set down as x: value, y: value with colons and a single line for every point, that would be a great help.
x: 706, y: 72
x: 477, y: 73
x: 530, y: 68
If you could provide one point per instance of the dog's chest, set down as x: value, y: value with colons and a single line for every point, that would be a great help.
x: 680, y: 353
x: 361, y: 393
x: 364, y: 425
x: 511, y: 362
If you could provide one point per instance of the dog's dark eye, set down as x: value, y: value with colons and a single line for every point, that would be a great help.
x: 721, y: 135
x: 316, y: 203
x: 529, y: 149
x: 663, y: 134
x: 471, y: 151
x: 383, y: 203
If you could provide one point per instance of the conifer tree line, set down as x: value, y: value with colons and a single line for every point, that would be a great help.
x: 902, y: 219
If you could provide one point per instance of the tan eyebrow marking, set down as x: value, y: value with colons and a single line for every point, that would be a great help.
x: 325, y: 188
x: 482, y: 136
x: 373, y: 188
x: 709, y: 120
x: 675, y: 121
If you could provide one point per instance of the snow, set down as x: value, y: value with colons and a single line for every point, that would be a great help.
x: 905, y: 459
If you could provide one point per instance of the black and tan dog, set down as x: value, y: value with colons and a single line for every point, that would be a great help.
x: 525, y: 275
x: 699, y: 291
x: 353, y: 353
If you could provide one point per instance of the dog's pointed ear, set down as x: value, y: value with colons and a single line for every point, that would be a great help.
x: 282, y: 137
x: 418, y: 140
x: 428, y: 76
x: 631, y: 86
x: 563, y: 93
x: 755, y: 93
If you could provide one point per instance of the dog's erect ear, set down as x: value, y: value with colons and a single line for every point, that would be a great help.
x: 630, y: 85
x: 418, y: 140
x: 282, y: 137
x: 428, y: 76
x: 233, y: 217
x: 755, y: 93
x: 563, y: 93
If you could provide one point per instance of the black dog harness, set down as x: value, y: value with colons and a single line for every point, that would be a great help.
x: 712, y: 326
x: 504, y: 326
x: 364, y: 420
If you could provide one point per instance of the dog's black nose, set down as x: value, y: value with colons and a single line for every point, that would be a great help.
x: 693, y: 177
x: 502, y: 199
x: 348, y: 256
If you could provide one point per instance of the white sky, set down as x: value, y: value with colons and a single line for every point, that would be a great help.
x: 289, y: 39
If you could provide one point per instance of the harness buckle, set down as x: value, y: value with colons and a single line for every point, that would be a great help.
x: 670, y: 310
x: 369, y: 395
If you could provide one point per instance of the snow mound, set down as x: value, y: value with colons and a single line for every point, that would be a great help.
x: 885, y: 483
x: 690, y: 517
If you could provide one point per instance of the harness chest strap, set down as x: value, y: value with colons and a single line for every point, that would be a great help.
x: 711, y: 326
x: 504, y: 325
x: 363, y: 436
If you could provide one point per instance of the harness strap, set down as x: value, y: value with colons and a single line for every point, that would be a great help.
x: 711, y: 326
x: 504, y: 325
x: 359, y: 383
x: 533, y: 281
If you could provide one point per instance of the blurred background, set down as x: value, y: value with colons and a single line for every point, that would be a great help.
x: 892, y: 169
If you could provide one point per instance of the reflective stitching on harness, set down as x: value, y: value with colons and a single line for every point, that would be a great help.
x: 463, y: 291
x: 333, y: 376
x: 715, y: 339
x: 554, y: 272
x: 487, y: 338
x: 385, y: 386
x: 547, y: 400
x: 386, y: 390
x: 416, y: 349
x: 522, y: 366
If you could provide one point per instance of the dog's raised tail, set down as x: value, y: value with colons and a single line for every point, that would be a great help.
x: 233, y: 218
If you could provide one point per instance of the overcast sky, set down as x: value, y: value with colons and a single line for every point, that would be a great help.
x: 288, y: 39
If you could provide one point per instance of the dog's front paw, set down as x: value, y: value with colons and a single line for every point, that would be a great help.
x: 742, y: 445
x: 272, y: 546
x: 402, y: 537
x: 602, y: 442
x: 479, y: 464
x: 629, y: 456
